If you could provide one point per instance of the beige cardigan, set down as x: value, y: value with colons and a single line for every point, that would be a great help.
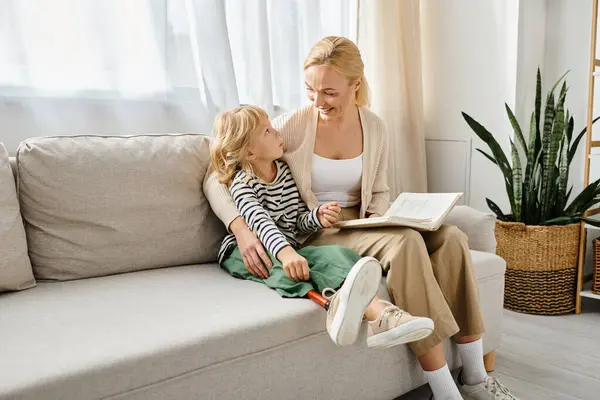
x: 298, y: 129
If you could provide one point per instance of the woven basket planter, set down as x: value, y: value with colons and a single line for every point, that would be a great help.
x: 596, y: 277
x: 541, y: 274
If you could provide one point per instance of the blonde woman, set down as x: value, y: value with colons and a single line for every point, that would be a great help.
x: 337, y: 151
x: 245, y: 156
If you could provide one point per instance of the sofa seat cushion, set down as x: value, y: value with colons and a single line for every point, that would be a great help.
x: 98, y: 337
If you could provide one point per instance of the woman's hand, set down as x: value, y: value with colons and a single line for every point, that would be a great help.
x: 253, y: 253
x: 294, y: 265
x: 329, y: 214
x: 374, y: 215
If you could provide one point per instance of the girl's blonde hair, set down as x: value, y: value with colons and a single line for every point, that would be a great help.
x: 342, y: 55
x: 233, y: 131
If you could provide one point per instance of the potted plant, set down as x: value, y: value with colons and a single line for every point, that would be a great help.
x: 539, y: 237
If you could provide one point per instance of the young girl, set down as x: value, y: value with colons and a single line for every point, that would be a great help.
x: 246, y: 156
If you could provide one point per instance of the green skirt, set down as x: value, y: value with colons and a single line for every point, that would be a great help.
x: 329, y: 266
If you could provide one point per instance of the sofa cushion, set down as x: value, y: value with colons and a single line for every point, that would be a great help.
x: 97, y: 206
x: 487, y: 265
x: 15, y: 266
x: 98, y: 337
x: 102, y: 336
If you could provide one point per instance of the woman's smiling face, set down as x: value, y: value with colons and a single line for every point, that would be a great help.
x: 330, y: 92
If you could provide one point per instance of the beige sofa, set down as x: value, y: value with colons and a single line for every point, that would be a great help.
x: 128, y: 302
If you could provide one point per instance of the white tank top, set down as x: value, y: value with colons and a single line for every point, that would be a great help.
x: 337, y: 180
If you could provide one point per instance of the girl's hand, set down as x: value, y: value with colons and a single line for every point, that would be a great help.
x: 329, y: 214
x: 294, y: 265
x: 254, y: 254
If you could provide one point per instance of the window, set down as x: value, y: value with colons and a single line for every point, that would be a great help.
x: 218, y: 53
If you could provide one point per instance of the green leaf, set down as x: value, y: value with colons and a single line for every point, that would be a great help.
x: 569, y: 123
x: 489, y: 139
x: 568, y: 194
x: 497, y: 152
x: 563, y: 176
x: 492, y: 159
x: 496, y: 210
x: 516, y: 182
x: 584, y: 200
x: 548, y: 121
x: 516, y: 128
x: 533, y: 136
x: 573, y: 147
x: 533, y: 215
x: 551, y: 146
x: 560, y: 221
x: 534, y: 209
x: 538, y: 110
x: 531, y: 156
x: 563, y: 93
x: 555, y: 85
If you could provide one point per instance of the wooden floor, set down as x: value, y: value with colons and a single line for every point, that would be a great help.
x: 547, y: 357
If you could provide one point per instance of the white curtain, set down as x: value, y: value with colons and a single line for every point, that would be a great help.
x: 389, y: 38
x: 136, y: 66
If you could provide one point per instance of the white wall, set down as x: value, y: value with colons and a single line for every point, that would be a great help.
x: 469, y: 62
x: 531, y: 50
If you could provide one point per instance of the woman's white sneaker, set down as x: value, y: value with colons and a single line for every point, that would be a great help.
x: 395, y: 326
x: 489, y: 389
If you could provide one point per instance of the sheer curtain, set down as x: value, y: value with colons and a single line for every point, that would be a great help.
x: 390, y: 40
x: 137, y: 66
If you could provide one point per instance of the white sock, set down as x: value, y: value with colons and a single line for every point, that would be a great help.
x: 442, y: 384
x: 472, y: 359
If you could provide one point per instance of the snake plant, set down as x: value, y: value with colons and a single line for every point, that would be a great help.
x: 536, y: 178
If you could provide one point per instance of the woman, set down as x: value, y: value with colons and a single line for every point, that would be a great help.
x: 337, y: 151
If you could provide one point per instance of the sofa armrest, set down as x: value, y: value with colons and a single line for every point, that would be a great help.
x: 478, y: 226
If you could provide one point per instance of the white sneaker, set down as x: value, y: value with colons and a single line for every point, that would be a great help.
x: 395, y: 326
x: 489, y: 389
x: 347, y: 305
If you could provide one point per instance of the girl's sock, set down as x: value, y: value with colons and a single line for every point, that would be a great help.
x: 442, y: 384
x: 472, y: 359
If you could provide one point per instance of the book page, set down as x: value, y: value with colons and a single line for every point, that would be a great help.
x: 422, y: 206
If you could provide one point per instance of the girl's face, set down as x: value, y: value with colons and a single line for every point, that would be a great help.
x: 330, y: 92
x: 266, y: 145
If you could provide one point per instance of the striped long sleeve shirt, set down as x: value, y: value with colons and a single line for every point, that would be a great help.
x: 274, y: 211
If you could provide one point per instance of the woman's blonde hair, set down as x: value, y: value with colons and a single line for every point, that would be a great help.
x: 233, y: 131
x: 342, y: 55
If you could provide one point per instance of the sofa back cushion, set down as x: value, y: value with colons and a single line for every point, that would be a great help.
x: 478, y: 226
x: 15, y: 266
x: 98, y: 206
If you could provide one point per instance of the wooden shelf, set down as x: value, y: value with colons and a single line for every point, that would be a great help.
x: 587, y: 292
x: 582, y: 291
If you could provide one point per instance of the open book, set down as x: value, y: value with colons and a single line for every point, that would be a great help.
x: 421, y: 211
